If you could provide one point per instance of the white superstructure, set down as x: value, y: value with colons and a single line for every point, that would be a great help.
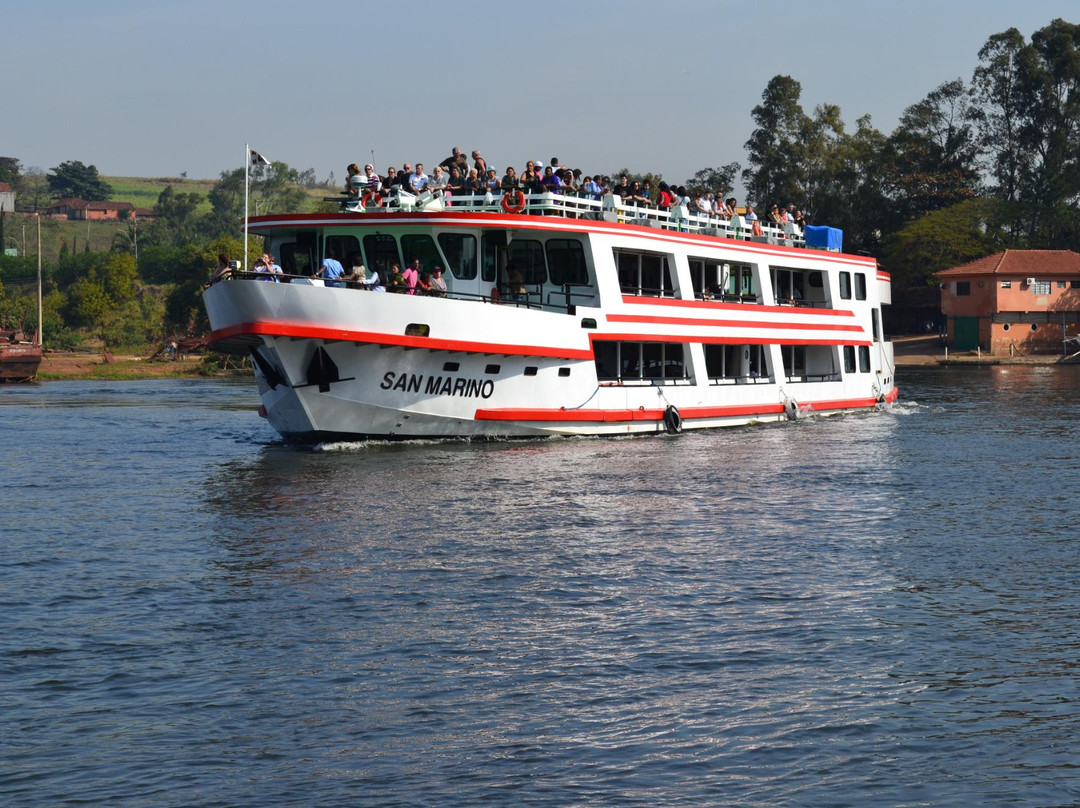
x: 572, y: 317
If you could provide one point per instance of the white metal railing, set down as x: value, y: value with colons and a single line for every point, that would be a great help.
x: 578, y: 206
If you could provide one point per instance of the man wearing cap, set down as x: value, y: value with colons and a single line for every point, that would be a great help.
x: 372, y: 179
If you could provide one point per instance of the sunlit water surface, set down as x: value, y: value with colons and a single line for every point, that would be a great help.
x: 876, y: 609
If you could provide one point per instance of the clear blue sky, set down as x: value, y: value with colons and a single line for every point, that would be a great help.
x: 144, y: 88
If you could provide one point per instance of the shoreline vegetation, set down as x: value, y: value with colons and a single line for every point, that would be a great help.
x: 104, y: 366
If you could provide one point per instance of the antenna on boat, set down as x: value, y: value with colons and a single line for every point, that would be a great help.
x: 373, y: 162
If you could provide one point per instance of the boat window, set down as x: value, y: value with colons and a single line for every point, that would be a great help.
x: 297, y: 259
x: 864, y: 358
x: 709, y: 278
x: 493, y: 241
x: 794, y: 360
x: 860, y: 286
x: 875, y: 322
x: 740, y: 285
x: 644, y: 274
x: 460, y: 253
x: 380, y: 251
x: 422, y: 247
x: 528, y: 258
x: 567, y: 261
x: 634, y: 361
x: 816, y: 280
x: 809, y: 363
x: 343, y: 248
x: 845, y: 285
x: 849, y: 359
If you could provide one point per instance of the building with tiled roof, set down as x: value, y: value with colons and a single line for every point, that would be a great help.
x: 7, y: 198
x: 1016, y: 301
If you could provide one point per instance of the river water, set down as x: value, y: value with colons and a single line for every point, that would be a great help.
x: 874, y: 609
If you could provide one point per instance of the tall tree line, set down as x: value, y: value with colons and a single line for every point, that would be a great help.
x: 970, y: 168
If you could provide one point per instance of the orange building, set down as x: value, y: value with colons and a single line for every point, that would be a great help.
x: 1017, y: 301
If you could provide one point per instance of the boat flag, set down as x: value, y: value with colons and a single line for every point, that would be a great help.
x: 257, y: 159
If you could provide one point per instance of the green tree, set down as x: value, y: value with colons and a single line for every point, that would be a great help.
x: 720, y: 181
x: 73, y: 179
x: 946, y: 238
x: 774, y: 150
x: 931, y: 159
x: 10, y: 170
x: 175, y: 220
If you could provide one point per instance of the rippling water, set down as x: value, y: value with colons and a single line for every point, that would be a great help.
x: 876, y: 609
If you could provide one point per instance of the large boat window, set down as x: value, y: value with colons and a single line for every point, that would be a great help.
x: 644, y: 274
x: 297, y: 259
x: 741, y: 283
x: 528, y: 259
x: 460, y: 252
x: 736, y: 363
x: 789, y: 286
x: 344, y: 248
x: 567, y: 261
x: 809, y: 363
x: 381, y: 251
x: 709, y: 278
x: 422, y: 247
x: 639, y: 361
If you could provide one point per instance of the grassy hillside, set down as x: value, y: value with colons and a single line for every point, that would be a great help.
x: 143, y: 192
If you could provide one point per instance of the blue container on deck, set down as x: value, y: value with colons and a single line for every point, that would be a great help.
x: 824, y: 238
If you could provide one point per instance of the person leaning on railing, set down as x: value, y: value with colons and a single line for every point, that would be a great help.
x: 510, y: 181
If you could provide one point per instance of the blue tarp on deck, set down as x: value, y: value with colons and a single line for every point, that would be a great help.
x: 824, y: 238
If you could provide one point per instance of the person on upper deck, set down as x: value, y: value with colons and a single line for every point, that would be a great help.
x: 491, y: 181
x: 471, y: 185
x: 665, y: 199
x: 354, y: 180
x: 456, y: 160
x: 750, y: 215
x: 593, y: 189
x: 510, y: 181
x: 800, y: 220
x: 373, y: 183
x: 638, y: 195
x: 774, y: 215
x: 480, y: 163
x: 530, y: 180
x: 438, y: 180
x: 418, y: 180
x: 390, y: 182
x: 623, y: 189
x: 456, y: 183
x: 550, y: 182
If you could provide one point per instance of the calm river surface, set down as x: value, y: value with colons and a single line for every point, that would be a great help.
x: 875, y: 609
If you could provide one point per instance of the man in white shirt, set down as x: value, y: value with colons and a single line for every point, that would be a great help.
x: 418, y: 180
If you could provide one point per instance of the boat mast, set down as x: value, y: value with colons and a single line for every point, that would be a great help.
x: 40, y: 325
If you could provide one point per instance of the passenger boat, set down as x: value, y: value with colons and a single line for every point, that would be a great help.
x: 563, y: 316
x: 20, y: 356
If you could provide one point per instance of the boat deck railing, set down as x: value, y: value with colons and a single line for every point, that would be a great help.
x: 608, y: 208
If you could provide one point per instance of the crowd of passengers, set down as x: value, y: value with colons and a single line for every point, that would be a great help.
x: 454, y: 176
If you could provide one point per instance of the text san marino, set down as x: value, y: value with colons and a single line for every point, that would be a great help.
x: 437, y: 385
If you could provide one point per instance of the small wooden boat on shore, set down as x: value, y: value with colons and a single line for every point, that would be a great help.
x: 19, y: 356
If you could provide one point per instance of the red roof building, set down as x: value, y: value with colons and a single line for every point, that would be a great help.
x: 1017, y: 301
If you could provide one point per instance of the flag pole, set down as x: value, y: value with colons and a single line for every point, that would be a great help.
x: 247, y: 169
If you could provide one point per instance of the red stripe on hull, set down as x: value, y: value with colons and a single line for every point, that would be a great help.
x: 344, y: 335
x: 616, y: 416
